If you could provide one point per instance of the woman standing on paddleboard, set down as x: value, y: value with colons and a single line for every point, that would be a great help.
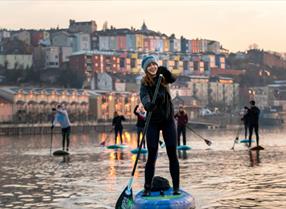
x: 162, y: 120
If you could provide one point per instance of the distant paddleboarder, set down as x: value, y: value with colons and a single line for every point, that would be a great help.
x: 61, y: 116
x: 253, y: 114
x: 118, y: 128
x: 182, y: 121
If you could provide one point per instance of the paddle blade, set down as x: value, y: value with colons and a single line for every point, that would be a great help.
x: 102, y: 144
x: 208, y: 142
x: 125, y: 200
x: 162, y: 144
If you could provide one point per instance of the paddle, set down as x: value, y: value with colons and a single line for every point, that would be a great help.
x: 125, y: 200
x: 237, y: 136
x: 102, y: 144
x: 51, y: 142
x: 208, y: 142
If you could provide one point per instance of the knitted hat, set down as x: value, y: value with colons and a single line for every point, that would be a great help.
x: 148, y: 60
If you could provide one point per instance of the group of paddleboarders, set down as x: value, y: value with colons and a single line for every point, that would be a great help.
x: 250, y: 119
x: 162, y: 120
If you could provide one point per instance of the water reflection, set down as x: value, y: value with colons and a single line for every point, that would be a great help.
x: 254, y: 156
x: 93, y: 176
x: 182, y: 154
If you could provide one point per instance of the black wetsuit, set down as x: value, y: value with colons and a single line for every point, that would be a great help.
x: 245, y: 120
x: 118, y: 128
x: 140, y: 125
x: 253, y: 114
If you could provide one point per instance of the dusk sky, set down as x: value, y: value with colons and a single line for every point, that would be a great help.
x: 236, y: 24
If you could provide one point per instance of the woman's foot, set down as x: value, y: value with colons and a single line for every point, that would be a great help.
x: 146, y: 193
x: 176, y: 192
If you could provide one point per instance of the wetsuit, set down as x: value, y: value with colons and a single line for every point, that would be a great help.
x: 162, y: 120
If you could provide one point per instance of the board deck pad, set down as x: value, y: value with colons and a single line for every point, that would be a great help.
x: 117, y: 146
x: 184, y: 147
x: 246, y: 140
x: 60, y: 153
x: 135, y: 151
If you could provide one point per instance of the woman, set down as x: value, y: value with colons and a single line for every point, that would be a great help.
x: 162, y: 120
x: 117, y: 123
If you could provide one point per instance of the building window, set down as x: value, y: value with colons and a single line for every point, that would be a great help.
x: 122, y: 62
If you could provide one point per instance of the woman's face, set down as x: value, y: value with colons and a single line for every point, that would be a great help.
x: 152, y: 68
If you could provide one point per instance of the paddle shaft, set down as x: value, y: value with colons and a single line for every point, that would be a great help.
x: 51, y: 141
x: 237, y: 135
x: 197, y: 133
x: 146, y: 126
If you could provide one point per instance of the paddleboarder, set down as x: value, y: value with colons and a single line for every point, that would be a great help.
x: 61, y: 116
x: 140, y: 112
x: 253, y: 114
x: 182, y: 121
x: 162, y: 119
x: 118, y: 128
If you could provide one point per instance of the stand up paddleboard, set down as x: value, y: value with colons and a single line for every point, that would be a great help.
x: 135, y: 151
x: 184, y: 147
x: 117, y: 146
x: 246, y: 140
x: 166, y: 200
x: 257, y: 148
x: 60, y: 153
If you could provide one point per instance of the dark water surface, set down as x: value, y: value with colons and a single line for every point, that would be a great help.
x: 94, y: 177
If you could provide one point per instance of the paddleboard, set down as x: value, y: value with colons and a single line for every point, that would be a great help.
x: 166, y: 201
x: 117, y: 146
x: 257, y: 148
x: 60, y: 153
x: 246, y: 141
x: 135, y: 151
x: 184, y: 147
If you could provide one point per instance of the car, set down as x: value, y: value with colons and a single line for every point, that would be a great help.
x: 206, y: 112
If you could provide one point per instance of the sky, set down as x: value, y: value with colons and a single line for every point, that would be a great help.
x: 235, y: 24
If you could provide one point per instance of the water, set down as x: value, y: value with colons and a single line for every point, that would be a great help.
x: 94, y: 177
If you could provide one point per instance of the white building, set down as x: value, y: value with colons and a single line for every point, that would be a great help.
x: 52, y: 57
x: 16, y: 61
x: 81, y: 42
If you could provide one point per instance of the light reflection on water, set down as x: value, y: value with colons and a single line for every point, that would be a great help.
x: 94, y: 177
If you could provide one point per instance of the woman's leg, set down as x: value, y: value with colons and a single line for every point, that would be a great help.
x: 120, y: 133
x: 152, y: 136
x: 63, y: 138
x: 169, y: 134
x: 115, y: 135
x: 174, y: 166
x: 138, y: 136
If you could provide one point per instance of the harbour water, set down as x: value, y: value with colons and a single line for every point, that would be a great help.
x: 93, y: 176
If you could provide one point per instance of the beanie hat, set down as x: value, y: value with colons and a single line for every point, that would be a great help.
x: 148, y: 60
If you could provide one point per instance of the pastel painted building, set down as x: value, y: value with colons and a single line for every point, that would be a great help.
x: 4, y: 34
x: 22, y: 35
x: 38, y: 36
x: 62, y: 39
x: 81, y: 42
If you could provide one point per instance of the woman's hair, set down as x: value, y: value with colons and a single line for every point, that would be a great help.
x: 115, y: 113
x: 148, y: 80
